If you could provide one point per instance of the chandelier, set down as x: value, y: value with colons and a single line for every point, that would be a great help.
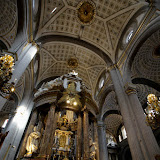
x: 153, y: 111
x: 6, y: 68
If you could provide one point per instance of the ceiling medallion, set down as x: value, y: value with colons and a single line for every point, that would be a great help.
x: 72, y: 63
x: 86, y: 11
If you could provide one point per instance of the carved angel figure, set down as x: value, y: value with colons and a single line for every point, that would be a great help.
x: 32, y: 143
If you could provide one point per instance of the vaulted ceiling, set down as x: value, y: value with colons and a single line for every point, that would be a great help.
x: 146, y: 63
x: 59, y: 17
x: 54, y: 57
x: 8, y: 21
x: 58, y: 24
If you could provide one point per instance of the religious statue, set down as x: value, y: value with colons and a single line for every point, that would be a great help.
x: 65, y: 120
x: 62, y: 140
x: 32, y: 142
x: 71, y: 96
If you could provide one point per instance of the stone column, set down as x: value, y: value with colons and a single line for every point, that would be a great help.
x: 48, y: 136
x: 29, y: 130
x: 127, y: 114
x: 51, y: 139
x: 26, y: 56
x: 85, y: 135
x: 96, y: 140
x: 103, y: 153
x: 145, y: 135
x: 79, y: 138
x: 16, y: 129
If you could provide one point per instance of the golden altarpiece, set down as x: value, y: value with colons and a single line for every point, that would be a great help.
x: 63, y: 124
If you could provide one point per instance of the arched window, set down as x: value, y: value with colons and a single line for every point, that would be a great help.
x: 129, y: 36
x: 101, y: 83
x: 122, y: 134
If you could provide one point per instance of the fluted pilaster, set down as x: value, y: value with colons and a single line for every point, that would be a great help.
x: 79, y: 138
x: 85, y: 135
x: 127, y: 114
x: 47, y: 139
x: 103, y: 153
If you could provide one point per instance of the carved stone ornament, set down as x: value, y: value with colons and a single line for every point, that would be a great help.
x: 72, y: 63
x: 86, y: 11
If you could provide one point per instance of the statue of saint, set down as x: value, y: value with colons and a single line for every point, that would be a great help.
x: 32, y: 142
x: 65, y: 120
x: 62, y: 140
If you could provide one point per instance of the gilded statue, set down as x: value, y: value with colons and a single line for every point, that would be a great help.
x: 32, y: 142
x: 65, y: 120
x: 71, y: 94
x: 62, y: 140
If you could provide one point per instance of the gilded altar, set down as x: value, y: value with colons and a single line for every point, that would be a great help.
x: 63, y: 140
x: 59, y: 130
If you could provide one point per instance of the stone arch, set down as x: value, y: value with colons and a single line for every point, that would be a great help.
x: 85, y: 44
x: 112, y: 120
x: 104, y: 94
x: 110, y: 112
x: 133, y: 23
x: 139, y: 41
x: 147, y: 82
x: 110, y: 105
